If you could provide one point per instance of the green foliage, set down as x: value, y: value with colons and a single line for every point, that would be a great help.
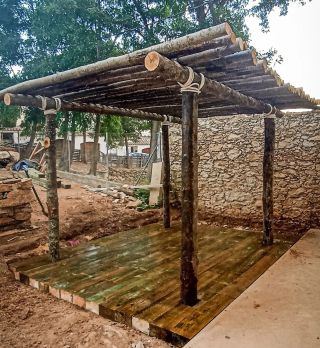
x: 143, y: 196
x: 45, y: 36
x: 12, y: 25
x: 271, y: 56
x: 263, y: 8
x: 117, y: 128
x: 32, y: 116
x: 8, y: 115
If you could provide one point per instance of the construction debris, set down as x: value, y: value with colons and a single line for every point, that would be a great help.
x: 7, y: 157
x: 123, y: 194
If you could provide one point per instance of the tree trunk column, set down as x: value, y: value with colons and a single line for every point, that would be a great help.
x: 52, y: 193
x: 268, y: 159
x: 166, y: 175
x: 96, y: 154
x: 189, y: 247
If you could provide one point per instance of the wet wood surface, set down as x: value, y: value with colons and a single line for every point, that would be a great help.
x: 133, y: 277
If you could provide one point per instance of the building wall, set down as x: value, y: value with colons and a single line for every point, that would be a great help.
x: 230, y: 167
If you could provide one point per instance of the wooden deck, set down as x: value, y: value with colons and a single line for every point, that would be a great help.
x: 133, y: 277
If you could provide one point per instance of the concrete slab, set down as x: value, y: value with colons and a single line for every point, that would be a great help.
x: 281, y: 309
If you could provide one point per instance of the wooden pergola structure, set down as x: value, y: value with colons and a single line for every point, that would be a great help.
x: 206, y: 74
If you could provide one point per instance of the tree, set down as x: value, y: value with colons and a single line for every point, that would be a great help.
x: 8, y: 116
x: 12, y: 26
x: 83, y: 124
x: 95, y: 151
x: 64, y: 163
x: 45, y: 36
x: 131, y: 130
x: 33, y: 119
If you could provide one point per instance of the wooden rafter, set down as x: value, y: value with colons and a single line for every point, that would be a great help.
x: 36, y: 101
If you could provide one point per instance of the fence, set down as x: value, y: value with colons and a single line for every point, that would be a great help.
x: 122, y: 161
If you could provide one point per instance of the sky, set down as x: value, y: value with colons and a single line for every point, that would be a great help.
x: 296, y: 36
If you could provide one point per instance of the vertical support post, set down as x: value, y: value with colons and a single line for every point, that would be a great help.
x: 268, y: 159
x: 19, y: 150
x: 189, y: 243
x: 166, y: 175
x: 96, y: 154
x: 52, y: 192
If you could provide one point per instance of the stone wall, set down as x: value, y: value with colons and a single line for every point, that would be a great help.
x: 127, y: 175
x: 230, y: 167
x: 15, y: 207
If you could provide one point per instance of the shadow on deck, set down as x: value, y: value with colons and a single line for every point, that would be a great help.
x: 133, y: 277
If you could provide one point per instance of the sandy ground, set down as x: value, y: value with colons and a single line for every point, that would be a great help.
x: 29, y: 318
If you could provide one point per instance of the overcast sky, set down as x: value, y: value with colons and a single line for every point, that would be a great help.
x: 297, y: 38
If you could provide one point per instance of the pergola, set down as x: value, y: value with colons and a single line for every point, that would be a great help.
x: 205, y: 74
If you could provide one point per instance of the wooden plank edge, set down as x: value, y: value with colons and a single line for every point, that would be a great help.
x: 143, y: 326
x: 105, y: 312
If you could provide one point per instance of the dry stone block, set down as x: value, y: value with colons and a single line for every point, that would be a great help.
x: 15, y: 208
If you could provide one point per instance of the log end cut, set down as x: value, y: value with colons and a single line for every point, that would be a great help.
x: 7, y: 99
x: 152, y: 61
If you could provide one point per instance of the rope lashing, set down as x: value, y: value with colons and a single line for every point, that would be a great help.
x: 43, y: 102
x: 58, y: 103
x: 167, y: 120
x: 271, y: 113
x: 50, y: 112
x: 189, y: 85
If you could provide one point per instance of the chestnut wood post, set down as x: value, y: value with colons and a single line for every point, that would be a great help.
x: 166, y: 175
x: 189, y: 171
x: 52, y: 193
x: 268, y: 158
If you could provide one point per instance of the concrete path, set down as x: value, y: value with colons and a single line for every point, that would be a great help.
x: 280, y: 310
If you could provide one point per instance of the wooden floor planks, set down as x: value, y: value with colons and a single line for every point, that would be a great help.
x: 133, y: 276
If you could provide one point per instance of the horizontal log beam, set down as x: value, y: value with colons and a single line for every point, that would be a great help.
x: 171, y: 70
x: 27, y: 100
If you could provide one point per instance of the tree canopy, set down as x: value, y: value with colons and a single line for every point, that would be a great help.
x: 39, y: 37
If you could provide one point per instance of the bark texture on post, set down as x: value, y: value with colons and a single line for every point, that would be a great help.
x: 64, y: 163
x: 155, y: 129
x: 95, y: 155
x: 189, y: 247
x: 52, y: 193
x: 166, y: 175
x: 29, y: 147
x: 268, y: 158
x: 84, y: 154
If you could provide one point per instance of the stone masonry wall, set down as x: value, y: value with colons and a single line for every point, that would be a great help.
x: 230, y: 167
x: 15, y: 199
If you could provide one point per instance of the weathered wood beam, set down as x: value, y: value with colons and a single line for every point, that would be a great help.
x: 174, y: 71
x: 232, y: 61
x: 222, y: 41
x: 207, y: 55
x: 267, y: 197
x: 52, y: 192
x: 130, y: 59
x: 117, y: 90
x: 166, y: 174
x: 168, y: 89
x: 146, y: 84
x: 51, y: 103
x: 189, y: 208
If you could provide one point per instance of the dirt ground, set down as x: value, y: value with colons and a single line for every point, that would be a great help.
x: 29, y: 318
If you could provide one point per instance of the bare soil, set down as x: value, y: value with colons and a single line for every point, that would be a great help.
x: 29, y: 318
